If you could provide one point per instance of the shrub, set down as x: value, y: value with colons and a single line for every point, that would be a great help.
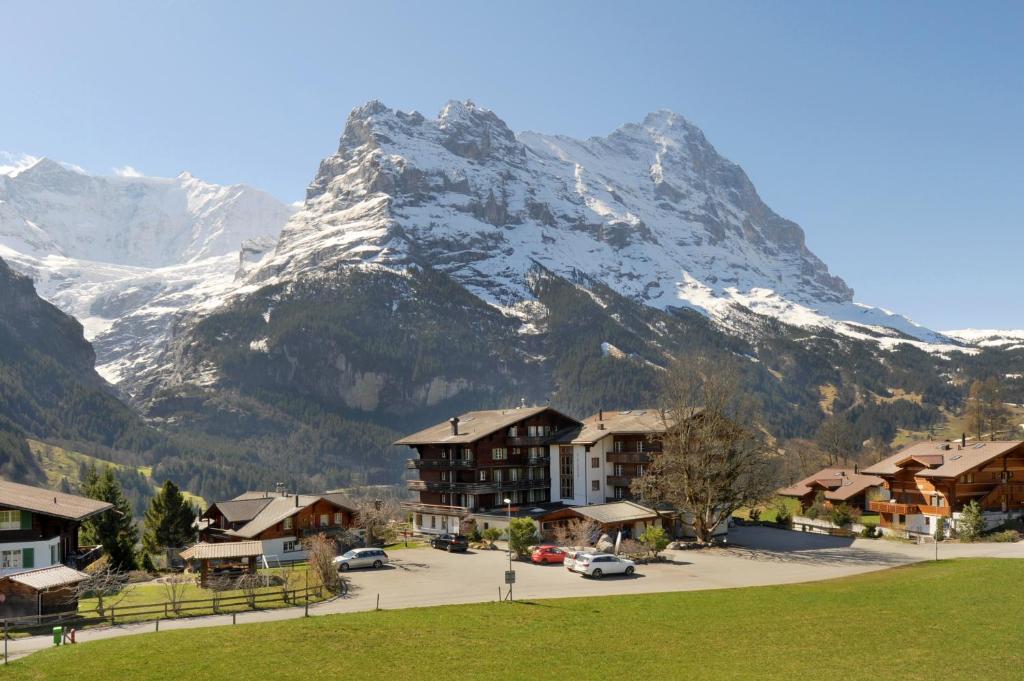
x: 972, y: 522
x: 522, y: 532
x: 1005, y: 536
x: 870, y: 532
x: 812, y: 512
x: 783, y: 514
x: 940, y: 528
x: 475, y: 535
x: 654, y: 539
x: 842, y: 515
x: 491, y: 535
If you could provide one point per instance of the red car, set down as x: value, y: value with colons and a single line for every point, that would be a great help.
x: 547, y: 554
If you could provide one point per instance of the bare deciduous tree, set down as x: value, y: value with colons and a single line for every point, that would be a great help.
x: 714, y: 457
x: 250, y: 586
x: 107, y: 585
x: 320, y: 552
x: 175, y: 588
x: 576, y: 533
x: 374, y: 514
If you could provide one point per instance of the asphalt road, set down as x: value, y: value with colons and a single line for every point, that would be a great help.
x: 425, y: 577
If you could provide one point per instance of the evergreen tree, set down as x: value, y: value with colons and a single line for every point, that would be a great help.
x: 114, y: 529
x: 168, y: 520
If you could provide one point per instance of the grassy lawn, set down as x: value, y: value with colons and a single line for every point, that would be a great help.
x: 156, y: 594
x: 960, y: 619
x: 768, y: 511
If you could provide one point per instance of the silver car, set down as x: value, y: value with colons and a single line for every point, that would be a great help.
x: 597, y: 565
x: 361, y: 558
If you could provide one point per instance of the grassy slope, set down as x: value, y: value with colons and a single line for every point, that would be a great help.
x: 58, y: 463
x: 964, y: 618
x: 952, y: 429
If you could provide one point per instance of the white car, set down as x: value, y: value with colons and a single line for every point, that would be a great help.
x: 361, y: 558
x: 597, y: 565
x: 570, y: 558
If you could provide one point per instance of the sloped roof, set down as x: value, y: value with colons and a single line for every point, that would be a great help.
x: 626, y: 422
x: 241, y: 510
x: 474, y: 425
x: 840, y: 484
x: 48, y: 577
x: 228, y: 549
x: 613, y: 512
x: 48, y: 502
x: 340, y: 499
x: 947, y: 460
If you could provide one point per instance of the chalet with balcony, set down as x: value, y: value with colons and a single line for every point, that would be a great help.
x: 597, y: 461
x: 929, y: 480
x: 474, y: 461
x: 837, y: 486
x: 278, y: 520
x: 39, y: 527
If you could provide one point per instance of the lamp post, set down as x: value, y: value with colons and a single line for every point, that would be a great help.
x: 508, y: 506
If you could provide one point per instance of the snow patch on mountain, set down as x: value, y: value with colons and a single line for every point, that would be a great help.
x: 990, y: 338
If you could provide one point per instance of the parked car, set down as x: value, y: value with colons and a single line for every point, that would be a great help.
x: 570, y: 558
x: 597, y: 565
x: 450, y: 542
x: 547, y: 554
x: 361, y: 558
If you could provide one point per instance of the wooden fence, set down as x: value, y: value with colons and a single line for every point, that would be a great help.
x: 144, y: 612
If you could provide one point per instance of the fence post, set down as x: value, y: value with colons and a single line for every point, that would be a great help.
x: 233, y: 618
x: 158, y: 624
x: 5, y: 640
x: 112, y: 620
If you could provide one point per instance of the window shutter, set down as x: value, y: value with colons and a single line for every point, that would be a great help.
x: 28, y: 558
x: 26, y: 520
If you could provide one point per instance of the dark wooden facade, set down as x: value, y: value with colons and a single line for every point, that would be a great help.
x: 628, y: 456
x: 507, y: 463
x: 37, y: 527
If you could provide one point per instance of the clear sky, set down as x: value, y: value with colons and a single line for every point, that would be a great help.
x: 891, y: 131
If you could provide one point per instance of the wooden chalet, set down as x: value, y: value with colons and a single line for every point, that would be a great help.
x: 837, y: 486
x: 278, y: 520
x: 929, y: 480
x: 475, y: 460
x: 42, y: 591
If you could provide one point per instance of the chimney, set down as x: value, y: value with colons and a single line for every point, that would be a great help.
x: 296, y: 500
x: 600, y: 414
x: 856, y: 469
x: 600, y: 426
x: 963, y: 440
x: 522, y: 403
x: 455, y: 424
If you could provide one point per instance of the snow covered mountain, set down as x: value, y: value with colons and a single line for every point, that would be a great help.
x: 651, y: 210
x: 127, y: 255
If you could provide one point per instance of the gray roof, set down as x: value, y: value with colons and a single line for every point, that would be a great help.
x: 943, y: 459
x: 280, y: 507
x: 474, y: 425
x: 48, y: 577
x: 228, y: 549
x: 838, y: 484
x: 241, y: 510
x: 614, y: 512
x: 48, y: 502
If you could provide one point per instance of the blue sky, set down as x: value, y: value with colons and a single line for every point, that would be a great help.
x: 890, y: 131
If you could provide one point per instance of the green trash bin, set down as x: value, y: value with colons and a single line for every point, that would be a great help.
x: 58, y: 634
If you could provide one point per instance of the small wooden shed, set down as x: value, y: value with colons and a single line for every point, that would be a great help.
x: 223, y: 558
x: 40, y: 592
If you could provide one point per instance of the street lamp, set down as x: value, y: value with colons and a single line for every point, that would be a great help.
x: 508, y: 506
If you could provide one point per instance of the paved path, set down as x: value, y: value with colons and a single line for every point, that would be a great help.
x: 423, y: 577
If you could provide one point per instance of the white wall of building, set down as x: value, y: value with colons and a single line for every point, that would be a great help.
x: 584, y: 474
x: 274, y: 550
x: 45, y: 553
x: 435, y: 523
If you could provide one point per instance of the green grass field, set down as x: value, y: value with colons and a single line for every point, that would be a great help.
x: 959, y: 619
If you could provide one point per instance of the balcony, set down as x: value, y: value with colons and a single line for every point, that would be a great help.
x: 443, y: 509
x: 619, y: 480
x: 484, y: 487
x: 435, y: 464
x: 538, y: 460
x: 890, y: 507
x: 629, y: 457
x: 531, y: 441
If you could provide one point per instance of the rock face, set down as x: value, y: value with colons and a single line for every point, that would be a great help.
x: 130, y: 256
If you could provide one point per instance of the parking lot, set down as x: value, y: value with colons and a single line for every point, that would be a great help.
x: 756, y: 556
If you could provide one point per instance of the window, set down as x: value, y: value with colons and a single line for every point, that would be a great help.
x: 483, y: 476
x: 54, y: 554
x: 536, y: 452
x: 620, y: 469
x: 513, y: 474
x: 618, y: 448
x: 292, y: 546
x: 565, y: 471
x: 595, y: 462
x: 595, y: 485
x: 288, y: 523
x: 467, y: 454
x: 444, y: 476
x: 10, y: 559
x: 620, y: 492
x: 444, y: 452
x: 419, y: 520
x: 10, y: 520
x: 433, y: 522
x: 444, y: 498
x: 499, y: 453
x: 325, y: 519
x: 513, y: 431
x: 532, y: 431
x: 640, y: 470
x: 496, y: 475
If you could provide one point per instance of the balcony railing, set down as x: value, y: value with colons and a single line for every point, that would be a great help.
x: 482, y: 487
x: 529, y: 441
x: 629, y: 457
x: 433, y: 464
x: 619, y: 480
x: 892, y: 507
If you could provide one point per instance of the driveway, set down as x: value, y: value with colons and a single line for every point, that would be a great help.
x: 755, y: 556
